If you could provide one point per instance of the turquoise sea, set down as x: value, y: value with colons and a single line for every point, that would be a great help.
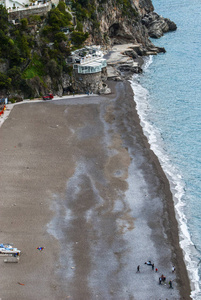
x: 168, y: 96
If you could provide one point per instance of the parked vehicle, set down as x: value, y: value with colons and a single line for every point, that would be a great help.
x: 48, y: 97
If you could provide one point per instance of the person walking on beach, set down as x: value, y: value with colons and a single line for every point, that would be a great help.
x: 170, y: 284
x: 152, y: 266
x: 173, y: 269
x: 138, y: 269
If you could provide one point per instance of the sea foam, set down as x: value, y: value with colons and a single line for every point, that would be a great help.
x: 177, y: 185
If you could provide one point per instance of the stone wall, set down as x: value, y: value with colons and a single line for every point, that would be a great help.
x: 85, y: 83
x: 25, y: 13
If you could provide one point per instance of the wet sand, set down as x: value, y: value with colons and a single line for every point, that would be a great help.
x: 78, y: 178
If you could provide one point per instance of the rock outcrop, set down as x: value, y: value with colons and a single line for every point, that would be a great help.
x: 157, y: 25
x: 119, y: 28
x: 143, y: 6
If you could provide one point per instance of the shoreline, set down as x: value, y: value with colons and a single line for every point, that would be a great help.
x: 170, y: 222
x: 105, y: 145
x: 180, y: 236
x: 170, y: 205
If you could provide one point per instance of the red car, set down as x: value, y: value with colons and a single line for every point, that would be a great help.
x: 48, y: 97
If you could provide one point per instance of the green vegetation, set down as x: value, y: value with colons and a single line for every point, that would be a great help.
x: 3, y: 18
x: 78, y: 38
x: 5, y: 81
x: 83, y: 9
x: 35, y: 68
x: 126, y: 8
x: 24, y: 23
x: 58, y: 18
x: 38, y: 46
x: 35, y: 19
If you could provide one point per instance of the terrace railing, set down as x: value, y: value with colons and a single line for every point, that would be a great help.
x: 90, y: 69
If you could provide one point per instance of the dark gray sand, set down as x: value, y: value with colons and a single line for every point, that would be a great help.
x: 78, y: 178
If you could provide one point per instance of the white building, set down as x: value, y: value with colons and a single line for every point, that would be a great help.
x: 14, y: 3
x: 91, y: 62
x: 24, y: 4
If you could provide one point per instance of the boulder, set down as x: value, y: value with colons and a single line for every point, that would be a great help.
x: 157, y: 25
x: 129, y: 69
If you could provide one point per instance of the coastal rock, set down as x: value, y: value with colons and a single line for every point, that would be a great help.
x: 157, y: 25
x: 143, y: 6
x: 131, y: 53
x: 65, y: 80
x: 129, y: 69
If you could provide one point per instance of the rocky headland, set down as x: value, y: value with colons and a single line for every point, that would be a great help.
x: 129, y: 39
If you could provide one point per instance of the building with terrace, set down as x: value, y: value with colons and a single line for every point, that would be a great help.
x: 88, y: 60
x: 89, y: 70
x: 90, y: 65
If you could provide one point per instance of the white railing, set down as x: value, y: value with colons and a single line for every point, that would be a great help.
x: 89, y: 69
x: 29, y: 7
x: 85, y: 60
x: 90, y: 65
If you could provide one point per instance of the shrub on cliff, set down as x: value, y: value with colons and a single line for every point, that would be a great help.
x: 126, y: 8
x: 34, y: 19
x: 35, y: 68
x: 58, y: 19
x: 5, y: 81
x: 53, y: 69
x: 24, y: 23
x: 9, y: 49
x: 83, y: 9
x: 15, y: 75
x: 59, y: 37
x: 23, y: 46
x: 78, y: 38
x: 3, y: 18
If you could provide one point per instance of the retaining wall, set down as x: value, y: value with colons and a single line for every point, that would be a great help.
x: 26, y: 12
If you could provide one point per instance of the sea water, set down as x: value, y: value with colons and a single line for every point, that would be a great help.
x: 168, y: 97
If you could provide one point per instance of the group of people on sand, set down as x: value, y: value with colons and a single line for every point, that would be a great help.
x: 162, y: 278
x: 150, y: 264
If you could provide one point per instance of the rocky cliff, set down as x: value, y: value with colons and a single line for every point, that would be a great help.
x: 122, y: 25
x: 119, y: 25
x: 108, y: 22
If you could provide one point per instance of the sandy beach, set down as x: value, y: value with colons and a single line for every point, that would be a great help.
x: 79, y: 179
